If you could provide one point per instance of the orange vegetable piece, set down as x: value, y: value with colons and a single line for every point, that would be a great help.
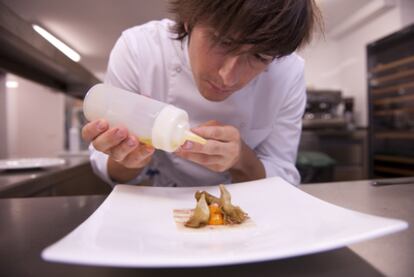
x: 216, y: 216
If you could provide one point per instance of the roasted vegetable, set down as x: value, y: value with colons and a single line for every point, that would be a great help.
x: 209, y: 198
x: 232, y: 214
x: 221, y: 210
x: 201, y: 214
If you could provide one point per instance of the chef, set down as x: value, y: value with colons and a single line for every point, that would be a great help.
x: 232, y: 66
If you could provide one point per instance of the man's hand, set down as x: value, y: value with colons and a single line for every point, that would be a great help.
x: 126, y: 153
x: 223, y: 151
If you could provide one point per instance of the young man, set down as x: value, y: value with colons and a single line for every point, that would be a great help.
x: 230, y: 65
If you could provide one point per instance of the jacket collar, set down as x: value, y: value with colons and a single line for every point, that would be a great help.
x: 181, y: 48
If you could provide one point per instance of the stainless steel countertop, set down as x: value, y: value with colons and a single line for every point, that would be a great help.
x: 392, y: 255
x: 22, y: 183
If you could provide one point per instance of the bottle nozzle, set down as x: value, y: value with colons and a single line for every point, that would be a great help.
x: 195, y: 138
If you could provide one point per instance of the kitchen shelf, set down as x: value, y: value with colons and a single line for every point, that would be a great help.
x: 385, y: 67
x: 397, y: 159
x: 394, y: 112
x: 390, y: 69
x: 394, y: 135
x: 396, y: 88
x: 392, y: 100
x: 393, y: 170
x: 392, y: 77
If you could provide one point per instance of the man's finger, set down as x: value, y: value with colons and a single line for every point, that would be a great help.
x: 93, y: 129
x: 120, y: 151
x: 212, y: 147
x: 110, y: 138
x: 221, y: 133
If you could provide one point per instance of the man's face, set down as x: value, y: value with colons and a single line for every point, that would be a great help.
x: 219, y: 74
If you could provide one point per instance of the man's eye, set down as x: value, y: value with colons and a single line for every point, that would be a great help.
x: 225, y: 42
x: 262, y: 58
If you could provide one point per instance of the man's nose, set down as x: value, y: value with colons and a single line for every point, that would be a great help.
x: 230, y: 71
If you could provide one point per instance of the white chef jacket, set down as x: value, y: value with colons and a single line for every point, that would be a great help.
x: 267, y: 111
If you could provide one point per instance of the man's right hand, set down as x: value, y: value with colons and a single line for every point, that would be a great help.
x: 123, y: 148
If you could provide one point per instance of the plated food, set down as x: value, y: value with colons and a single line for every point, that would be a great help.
x: 211, y: 210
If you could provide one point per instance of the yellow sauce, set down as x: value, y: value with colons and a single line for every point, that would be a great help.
x: 146, y: 141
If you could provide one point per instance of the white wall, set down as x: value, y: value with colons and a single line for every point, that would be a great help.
x: 321, y: 58
x: 3, y: 121
x: 35, y: 120
x: 341, y: 62
x: 352, y: 47
x: 407, y: 12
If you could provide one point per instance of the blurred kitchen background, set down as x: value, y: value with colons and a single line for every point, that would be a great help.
x: 359, y: 119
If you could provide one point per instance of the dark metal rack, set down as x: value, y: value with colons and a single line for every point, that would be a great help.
x: 391, y: 104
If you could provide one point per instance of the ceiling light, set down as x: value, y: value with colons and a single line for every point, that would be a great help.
x: 12, y: 84
x: 72, y: 54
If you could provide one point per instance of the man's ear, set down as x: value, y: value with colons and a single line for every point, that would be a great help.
x: 188, y: 31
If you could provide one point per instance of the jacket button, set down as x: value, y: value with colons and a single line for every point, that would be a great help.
x: 178, y: 69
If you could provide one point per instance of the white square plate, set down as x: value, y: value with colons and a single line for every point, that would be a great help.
x: 135, y: 227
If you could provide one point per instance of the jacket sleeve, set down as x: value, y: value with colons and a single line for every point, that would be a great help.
x: 278, y: 152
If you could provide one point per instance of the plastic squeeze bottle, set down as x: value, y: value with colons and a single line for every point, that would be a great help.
x: 155, y: 123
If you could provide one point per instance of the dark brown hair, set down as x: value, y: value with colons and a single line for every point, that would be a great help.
x: 274, y: 27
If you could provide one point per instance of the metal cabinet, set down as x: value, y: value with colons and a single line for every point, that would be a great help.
x: 391, y: 104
